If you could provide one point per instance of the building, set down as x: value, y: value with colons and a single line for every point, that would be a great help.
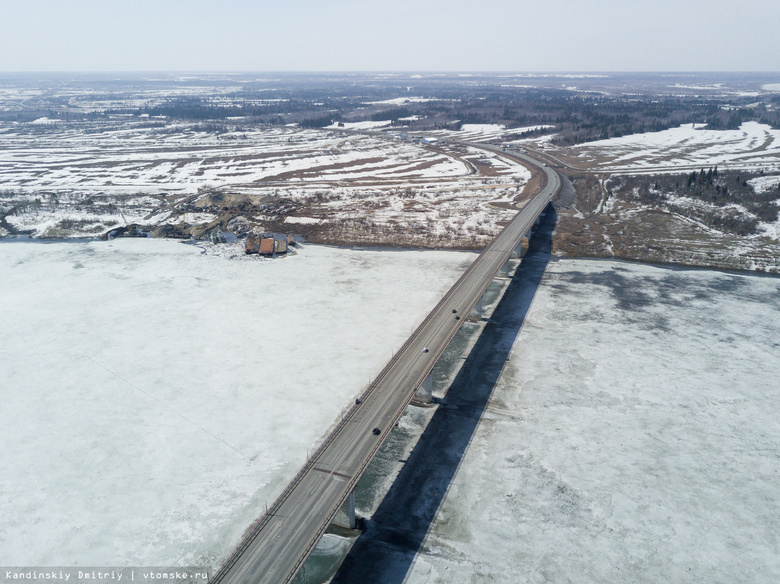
x: 267, y: 246
x: 252, y: 243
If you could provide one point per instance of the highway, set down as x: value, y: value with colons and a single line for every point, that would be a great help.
x: 277, y: 547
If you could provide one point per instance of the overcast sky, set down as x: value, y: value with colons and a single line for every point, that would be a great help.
x: 389, y: 35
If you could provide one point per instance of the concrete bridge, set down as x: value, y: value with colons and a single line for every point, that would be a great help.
x: 275, y: 550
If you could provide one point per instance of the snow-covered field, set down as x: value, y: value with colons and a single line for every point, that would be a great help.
x: 753, y: 146
x: 155, y: 397
x: 483, y: 132
x: 132, y: 156
x: 763, y: 184
x: 632, y: 437
x: 76, y: 179
x: 368, y: 125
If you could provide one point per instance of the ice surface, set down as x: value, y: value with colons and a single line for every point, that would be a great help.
x: 632, y: 437
x: 155, y: 398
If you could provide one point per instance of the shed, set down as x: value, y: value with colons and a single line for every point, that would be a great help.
x: 280, y: 245
x: 252, y: 243
x: 267, y: 246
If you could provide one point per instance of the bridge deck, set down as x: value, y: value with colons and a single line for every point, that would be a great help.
x: 285, y: 536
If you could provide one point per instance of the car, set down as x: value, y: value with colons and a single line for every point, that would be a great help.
x: 454, y: 311
x: 457, y: 317
x: 357, y: 401
x: 425, y: 350
x: 376, y: 431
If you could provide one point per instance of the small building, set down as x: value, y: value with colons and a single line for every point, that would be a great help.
x: 252, y: 243
x: 280, y: 245
x: 267, y: 246
x: 290, y: 240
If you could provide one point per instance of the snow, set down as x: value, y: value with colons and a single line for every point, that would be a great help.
x: 125, y: 168
x: 128, y: 157
x: 713, y: 86
x: 771, y: 87
x: 631, y: 437
x: 752, y: 146
x: 302, y: 220
x: 557, y: 75
x: 771, y: 230
x: 484, y: 132
x: 762, y: 184
x: 155, y: 397
x: 402, y: 100
x: 367, y: 125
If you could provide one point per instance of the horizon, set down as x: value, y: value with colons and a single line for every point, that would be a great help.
x: 344, y: 35
x: 460, y: 72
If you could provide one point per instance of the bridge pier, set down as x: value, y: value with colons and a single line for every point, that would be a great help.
x: 522, y: 248
x: 424, y: 393
x: 503, y: 271
x: 477, y: 311
x: 346, y: 515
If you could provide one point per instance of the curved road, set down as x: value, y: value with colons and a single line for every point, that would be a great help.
x: 280, y: 543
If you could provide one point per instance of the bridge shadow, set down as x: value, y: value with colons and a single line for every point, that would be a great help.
x: 385, y: 551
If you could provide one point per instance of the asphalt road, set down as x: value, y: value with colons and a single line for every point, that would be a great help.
x: 278, y: 546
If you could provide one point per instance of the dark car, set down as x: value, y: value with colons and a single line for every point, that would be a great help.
x: 376, y: 431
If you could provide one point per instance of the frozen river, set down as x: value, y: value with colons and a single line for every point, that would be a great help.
x: 628, y: 433
x: 155, y: 398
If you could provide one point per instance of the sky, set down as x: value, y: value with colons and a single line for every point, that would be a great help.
x: 384, y: 35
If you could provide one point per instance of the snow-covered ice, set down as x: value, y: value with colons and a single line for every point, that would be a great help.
x: 632, y: 437
x: 155, y: 398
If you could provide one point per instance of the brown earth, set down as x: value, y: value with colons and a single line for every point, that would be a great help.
x: 595, y: 223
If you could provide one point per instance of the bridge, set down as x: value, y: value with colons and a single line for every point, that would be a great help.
x: 276, y: 548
